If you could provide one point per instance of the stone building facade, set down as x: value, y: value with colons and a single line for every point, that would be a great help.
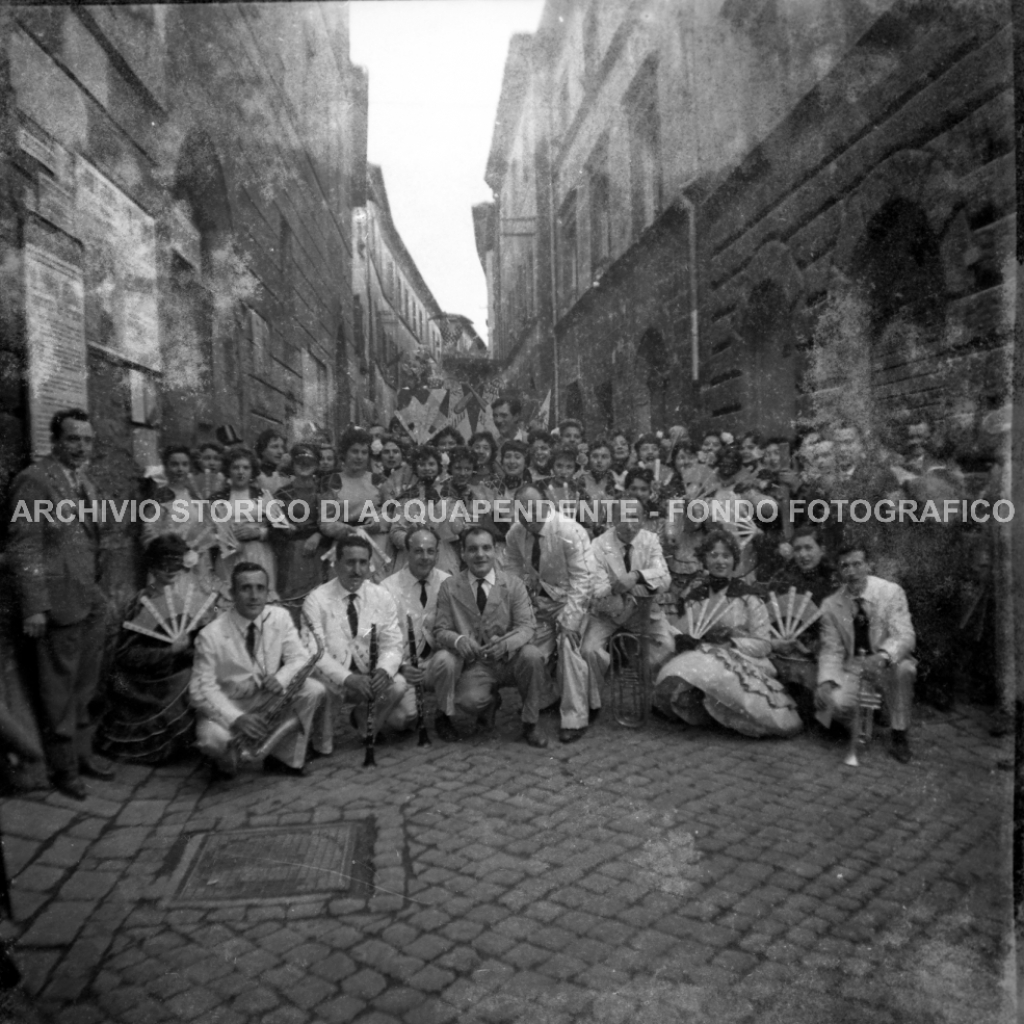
x: 175, y: 224
x: 397, y: 317
x: 740, y: 203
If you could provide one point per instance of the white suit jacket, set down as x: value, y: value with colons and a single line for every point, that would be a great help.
x: 567, y: 568
x: 405, y: 590
x: 223, y: 672
x: 890, y: 627
x: 345, y: 655
x: 645, y: 558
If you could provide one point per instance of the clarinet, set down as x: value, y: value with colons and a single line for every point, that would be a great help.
x: 415, y: 662
x: 369, y: 761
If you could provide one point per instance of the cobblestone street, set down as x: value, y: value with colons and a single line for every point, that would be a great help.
x: 669, y: 875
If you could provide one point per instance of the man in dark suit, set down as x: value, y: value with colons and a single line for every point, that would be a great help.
x: 484, y: 629
x: 57, y: 563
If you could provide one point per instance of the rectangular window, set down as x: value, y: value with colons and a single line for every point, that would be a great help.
x: 644, y: 148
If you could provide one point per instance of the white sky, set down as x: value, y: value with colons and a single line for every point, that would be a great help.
x: 435, y: 75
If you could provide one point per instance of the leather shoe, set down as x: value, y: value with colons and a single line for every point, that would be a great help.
x: 595, y: 714
x: 571, y: 735
x: 276, y: 767
x: 96, y: 768
x: 70, y: 785
x: 485, y: 720
x: 532, y: 737
x: 445, y: 729
x: 900, y: 748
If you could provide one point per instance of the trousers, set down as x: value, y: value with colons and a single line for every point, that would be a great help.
x: 895, y: 682
x: 214, y: 740
x: 660, y: 647
x: 472, y: 687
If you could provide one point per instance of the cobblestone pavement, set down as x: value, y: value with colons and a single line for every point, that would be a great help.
x: 639, y: 877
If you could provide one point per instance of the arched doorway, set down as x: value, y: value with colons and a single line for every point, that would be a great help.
x: 652, y: 375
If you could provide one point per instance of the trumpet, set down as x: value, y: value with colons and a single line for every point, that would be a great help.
x: 868, y: 700
x: 277, y: 712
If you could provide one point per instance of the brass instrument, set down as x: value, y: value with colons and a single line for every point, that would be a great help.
x: 868, y: 700
x: 414, y: 660
x: 277, y: 711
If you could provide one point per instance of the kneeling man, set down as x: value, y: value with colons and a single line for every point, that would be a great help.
x: 484, y: 626
x: 867, y: 616
x: 245, y: 659
x: 343, y: 613
x: 631, y: 572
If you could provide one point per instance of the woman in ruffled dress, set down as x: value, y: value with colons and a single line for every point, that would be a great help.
x: 724, y: 675
x: 148, y: 718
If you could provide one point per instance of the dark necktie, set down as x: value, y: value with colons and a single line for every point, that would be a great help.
x: 423, y: 593
x: 481, y: 597
x: 861, y: 628
x: 250, y: 639
x: 535, y: 554
x: 627, y: 557
x: 353, y: 618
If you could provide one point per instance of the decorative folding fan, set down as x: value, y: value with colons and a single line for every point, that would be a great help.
x: 176, y: 611
x: 790, y: 623
x: 706, y: 616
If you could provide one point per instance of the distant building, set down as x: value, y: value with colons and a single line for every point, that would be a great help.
x: 176, y: 195
x: 702, y: 207
x: 397, y: 327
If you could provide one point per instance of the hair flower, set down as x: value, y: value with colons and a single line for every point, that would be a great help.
x: 376, y: 446
x: 726, y: 437
x: 660, y: 434
x: 445, y: 460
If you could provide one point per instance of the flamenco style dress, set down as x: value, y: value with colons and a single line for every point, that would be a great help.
x: 731, y: 682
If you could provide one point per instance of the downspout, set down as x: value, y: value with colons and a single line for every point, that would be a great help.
x: 691, y: 225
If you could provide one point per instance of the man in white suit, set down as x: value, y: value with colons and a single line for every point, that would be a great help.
x: 342, y: 613
x: 631, y: 572
x: 551, y: 555
x: 869, y: 617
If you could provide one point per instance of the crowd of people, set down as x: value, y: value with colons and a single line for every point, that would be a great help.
x: 366, y: 573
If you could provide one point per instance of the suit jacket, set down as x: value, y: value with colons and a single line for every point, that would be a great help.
x: 508, y: 613
x: 890, y: 627
x: 57, y: 566
x: 223, y: 673
x: 567, y: 566
x: 646, y: 558
x: 344, y: 655
x: 405, y: 591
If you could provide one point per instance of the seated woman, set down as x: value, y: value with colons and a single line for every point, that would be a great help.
x: 148, y: 718
x: 724, y: 674
x: 809, y: 572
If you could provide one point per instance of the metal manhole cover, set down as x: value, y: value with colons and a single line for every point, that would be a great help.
x: 261, y: 864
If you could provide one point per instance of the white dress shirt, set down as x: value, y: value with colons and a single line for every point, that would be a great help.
x: 223, y: 671
x: 345, y: 655
x: 405, y: 590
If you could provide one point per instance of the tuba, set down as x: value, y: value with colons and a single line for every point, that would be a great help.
x: 281, y: 721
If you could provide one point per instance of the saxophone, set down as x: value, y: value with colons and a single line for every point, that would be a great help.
x: 277, y: 711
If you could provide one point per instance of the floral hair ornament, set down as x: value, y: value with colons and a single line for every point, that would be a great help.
x: 445, y: 460
x: 376, y: 446
x: 726, y: 437
x: 659, y: 434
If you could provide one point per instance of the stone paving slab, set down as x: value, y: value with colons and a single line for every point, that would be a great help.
x: 667, y: 875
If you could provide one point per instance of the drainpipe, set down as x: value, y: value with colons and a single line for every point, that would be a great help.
x: 691, y: 218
